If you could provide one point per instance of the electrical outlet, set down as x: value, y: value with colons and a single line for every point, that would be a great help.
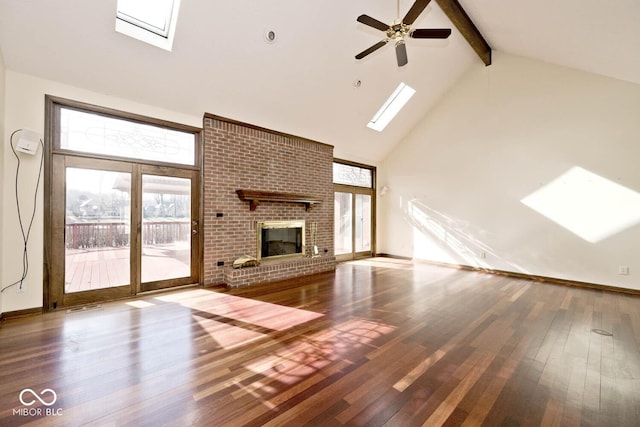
x: 483, y: 255
x: 623, y: 270
x: 20, y: 290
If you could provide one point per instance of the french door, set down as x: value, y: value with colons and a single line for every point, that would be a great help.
x: 121, y: 202
x: 120, y: 228
x: 353, y: 222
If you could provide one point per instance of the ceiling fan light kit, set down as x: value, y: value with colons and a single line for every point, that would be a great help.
x: 401, y: 29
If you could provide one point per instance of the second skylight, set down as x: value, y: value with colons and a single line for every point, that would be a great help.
x: 391, y: 107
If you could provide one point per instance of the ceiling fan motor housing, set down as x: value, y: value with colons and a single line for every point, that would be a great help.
x: 398, y: 31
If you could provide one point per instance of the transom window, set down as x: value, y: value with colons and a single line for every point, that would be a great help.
x: 151, y: 21
x: 352, y: 175
x: 109, y: 136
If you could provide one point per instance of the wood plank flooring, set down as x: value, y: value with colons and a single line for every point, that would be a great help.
x: 99, y: 268
x: 381, y: 342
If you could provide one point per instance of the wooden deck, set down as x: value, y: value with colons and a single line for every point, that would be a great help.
x: 377, y: 343
x: 97, y: 268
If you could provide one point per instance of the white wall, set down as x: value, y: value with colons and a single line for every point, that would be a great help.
x: 455, y: 184
x: 25, y: 109
x: 2, y: 110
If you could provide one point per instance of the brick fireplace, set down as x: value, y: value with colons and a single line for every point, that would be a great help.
x: 239, y: 156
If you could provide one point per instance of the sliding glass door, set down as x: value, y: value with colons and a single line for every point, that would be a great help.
x: 354, y: 211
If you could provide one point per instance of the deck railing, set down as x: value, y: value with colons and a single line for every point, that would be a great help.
x: 116, y: 234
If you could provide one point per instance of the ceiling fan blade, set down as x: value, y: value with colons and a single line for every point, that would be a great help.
x: 372, y: 49
x: 367, y: 20
x: 401, y: 53
x: 431, y: 33
x: 415, y: 11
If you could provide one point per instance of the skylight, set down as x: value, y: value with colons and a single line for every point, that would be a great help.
x: 391, y: 107
x: 150, y: 21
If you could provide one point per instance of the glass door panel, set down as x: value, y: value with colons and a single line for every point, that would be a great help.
x: 166, y: 228
x: 363, y: 222
x: 97, y: 228
x: 343, y: 223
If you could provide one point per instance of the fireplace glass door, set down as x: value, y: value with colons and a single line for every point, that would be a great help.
x: 279, y: 239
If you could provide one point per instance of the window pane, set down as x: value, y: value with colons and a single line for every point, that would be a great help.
x: 363, y: 222
x: 352, y: 175
x: 342, y: 223
x: 166, y: 228
x: 97, y: 134
x: 97, y: 229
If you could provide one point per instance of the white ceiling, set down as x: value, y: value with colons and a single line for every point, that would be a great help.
x: 303, y: 83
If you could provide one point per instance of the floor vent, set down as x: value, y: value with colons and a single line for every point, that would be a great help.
x: 84, y: 308
x: 602, y: 332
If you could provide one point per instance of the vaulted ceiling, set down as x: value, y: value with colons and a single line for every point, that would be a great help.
x: 303, y: 84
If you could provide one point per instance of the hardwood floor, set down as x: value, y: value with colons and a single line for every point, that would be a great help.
x: 99, y: 268
x: 380, y: 342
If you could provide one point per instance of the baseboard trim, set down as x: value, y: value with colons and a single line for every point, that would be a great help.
x: 532, y: 277
x: 21, y: 313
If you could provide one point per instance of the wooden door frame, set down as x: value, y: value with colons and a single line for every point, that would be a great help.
x: 53, y: 106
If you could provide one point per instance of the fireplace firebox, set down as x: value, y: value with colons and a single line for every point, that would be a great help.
x: 280, y: 239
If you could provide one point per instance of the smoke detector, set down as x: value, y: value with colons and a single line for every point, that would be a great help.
x: 270, y: 36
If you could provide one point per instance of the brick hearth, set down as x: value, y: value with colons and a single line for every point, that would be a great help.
x: 277, y: 270
x: 241, y: 156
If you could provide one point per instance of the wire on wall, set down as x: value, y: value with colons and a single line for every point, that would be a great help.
x: 27, y: 233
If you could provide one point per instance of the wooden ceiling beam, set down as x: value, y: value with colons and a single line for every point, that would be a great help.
x: 463, y: 23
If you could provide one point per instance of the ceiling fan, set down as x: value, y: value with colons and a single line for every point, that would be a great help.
x: 400, y: 29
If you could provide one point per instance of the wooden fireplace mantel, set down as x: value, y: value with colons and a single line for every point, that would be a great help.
x: 254, y: 198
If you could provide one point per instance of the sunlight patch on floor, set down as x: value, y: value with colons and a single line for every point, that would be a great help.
x: 308, y: 355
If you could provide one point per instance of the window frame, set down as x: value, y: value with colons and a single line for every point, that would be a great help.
x: 354, y: 190
x: 139, y: 29
x: 55, y: 105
